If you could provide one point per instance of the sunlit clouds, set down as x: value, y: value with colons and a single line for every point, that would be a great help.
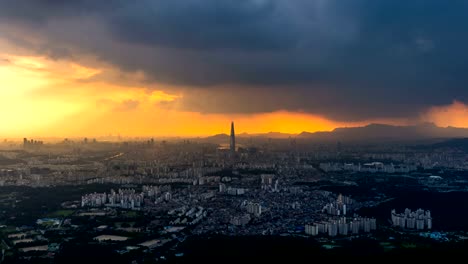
x: 455, y: 114
x: 59, y: 98
x: 38, y: 94
x: 63, y: 98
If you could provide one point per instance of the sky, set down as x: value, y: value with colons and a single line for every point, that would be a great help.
x: 190, y: 67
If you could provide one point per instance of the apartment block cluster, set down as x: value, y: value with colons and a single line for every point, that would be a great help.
x: 152, y: 191
x: 93, y: 200
x: 187, y: 215
x: 202, y: 180
x: 127, y: 198
x: 231, y: 190
x: 269, y: 183
x: 240, y: 220
x: 339, y: 207
x: 254, y: 208
x: 342, y: 226
x: 419, y: 219
x: 123, y: 198
x: 371, y: 167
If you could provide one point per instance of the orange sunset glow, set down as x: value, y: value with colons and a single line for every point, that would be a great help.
x: 64, y: 99
x: 455, y: 114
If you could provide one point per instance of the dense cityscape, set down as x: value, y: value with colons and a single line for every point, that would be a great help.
x: 151, y: 197
x: 219, y: 131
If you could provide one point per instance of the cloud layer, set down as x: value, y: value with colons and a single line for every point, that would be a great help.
x: 347, y: 60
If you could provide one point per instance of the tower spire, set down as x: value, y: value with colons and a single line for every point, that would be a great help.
x: 232, y: 146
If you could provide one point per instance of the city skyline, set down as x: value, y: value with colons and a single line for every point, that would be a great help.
x: 338, y: 66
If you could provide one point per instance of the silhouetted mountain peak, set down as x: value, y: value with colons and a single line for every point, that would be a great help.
x: 428, y: 124
x: 222, y: 135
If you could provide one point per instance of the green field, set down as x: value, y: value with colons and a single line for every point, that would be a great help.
x: 408, y: 245
x: 61, y: 213
x: 119, y: 224
x: 130, y: 214
x: 8, y: 230
x: 387, y: 246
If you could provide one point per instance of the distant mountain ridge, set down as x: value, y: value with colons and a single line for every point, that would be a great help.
x: 371, y: 132
x: 389, y: 132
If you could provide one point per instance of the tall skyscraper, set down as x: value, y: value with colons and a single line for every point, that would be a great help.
x: 232, y: 146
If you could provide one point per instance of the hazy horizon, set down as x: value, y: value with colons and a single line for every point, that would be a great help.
x: 115, y: 137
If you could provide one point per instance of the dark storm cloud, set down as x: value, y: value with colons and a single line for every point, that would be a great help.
x: 344, y: 59
x: 239, y: 25
x: 40, y: 11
